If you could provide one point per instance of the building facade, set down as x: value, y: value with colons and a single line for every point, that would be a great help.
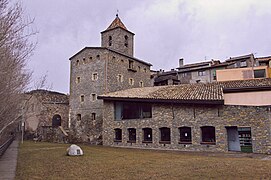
x: 99, y: 70
x: 194, y: 117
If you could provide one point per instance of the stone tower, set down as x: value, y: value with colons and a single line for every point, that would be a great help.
x: 118, y: 38
x: 100, y: 70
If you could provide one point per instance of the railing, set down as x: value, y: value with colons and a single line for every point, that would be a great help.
x: 5, y: 146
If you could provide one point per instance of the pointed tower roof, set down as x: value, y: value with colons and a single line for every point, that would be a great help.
x: 116, y: 23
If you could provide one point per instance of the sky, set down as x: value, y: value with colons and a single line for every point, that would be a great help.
x: 165, y: 31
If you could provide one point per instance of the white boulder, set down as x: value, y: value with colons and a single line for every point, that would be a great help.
x: 74, y: 150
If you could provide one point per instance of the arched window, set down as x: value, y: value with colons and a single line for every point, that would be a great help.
x: 208, y: 135
x: 126, y: 41
x: 56, y: 120
x: 110, y: 40
x: 185, y: 135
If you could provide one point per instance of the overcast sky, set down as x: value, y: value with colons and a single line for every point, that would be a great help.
x: 165, y: 30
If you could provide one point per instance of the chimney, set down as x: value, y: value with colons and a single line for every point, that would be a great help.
x: 181, y: 62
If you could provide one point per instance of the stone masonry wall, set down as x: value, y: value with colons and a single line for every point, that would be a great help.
x: 175, y: 116
x: 108, y: 66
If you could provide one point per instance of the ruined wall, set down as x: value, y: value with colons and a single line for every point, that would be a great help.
x: 39, y: 108
x: 173, y: 117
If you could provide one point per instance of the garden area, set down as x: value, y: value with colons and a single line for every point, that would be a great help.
x: 49, y: 161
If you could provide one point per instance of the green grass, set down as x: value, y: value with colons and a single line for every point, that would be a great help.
x: 49, y: 161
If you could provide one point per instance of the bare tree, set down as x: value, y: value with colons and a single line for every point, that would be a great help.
x: 15, y: 49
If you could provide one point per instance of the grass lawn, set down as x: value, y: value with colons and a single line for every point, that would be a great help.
x: 49, y: 161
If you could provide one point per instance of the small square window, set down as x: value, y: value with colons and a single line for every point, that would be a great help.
x: 94, y: 76
x: 98, y: 57
x: 90, y: 58
x: 93, y: 97
x: 82, y: 98
x: 145, y: 70
x: 131, y: 64
x: 78, y: 80
x: 120, y: 78
x: 78, y: 117
x: 93, y: 116
x: 131, y: 81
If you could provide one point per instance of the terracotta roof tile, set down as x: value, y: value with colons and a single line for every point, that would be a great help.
x: 199, y: 92
x: 116, y: 23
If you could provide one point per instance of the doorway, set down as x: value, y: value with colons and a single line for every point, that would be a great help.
x: 233, y: 138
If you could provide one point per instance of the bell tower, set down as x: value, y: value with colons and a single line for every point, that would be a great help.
x: 117, y: 37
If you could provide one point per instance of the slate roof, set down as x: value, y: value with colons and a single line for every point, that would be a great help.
x: 209, y: 93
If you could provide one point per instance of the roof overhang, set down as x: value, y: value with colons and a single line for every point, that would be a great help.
x: 174, y: 101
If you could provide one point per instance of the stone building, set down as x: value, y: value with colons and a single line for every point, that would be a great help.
x: 44, y: 113
x: 99, y: 70
x: 191, y: 117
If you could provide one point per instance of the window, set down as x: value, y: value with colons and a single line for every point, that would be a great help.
x: 94, y: 76
x: 164, y: 135
x: 243, y: 63
x: 145, y: 70
x: 141, y: 84
x: 84, y: 60
x: 259, y: 73
x: 131, y: 81
x: 93, y: 116
x: 131, y: 64
x: 126, y: 41
x: 77, y: 62
x: 110, y: 41
x: 90, y: 58
x: 185, y: 135
x: 78, y: 79
x: 93, y: 97
x: 201, y: 73
x: 56, y: 121
x: 139, y: 68
x: 118, y: 135
x: 82, y: 98
x: 183, y: 75
x: 208, y: 135
x: 120, y: 78
x: 132, y: 135
x: 98, y: 57
x: 147, y: 135
x: 214, y: 75
x: 132, y: 110
x: 78, y: 117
